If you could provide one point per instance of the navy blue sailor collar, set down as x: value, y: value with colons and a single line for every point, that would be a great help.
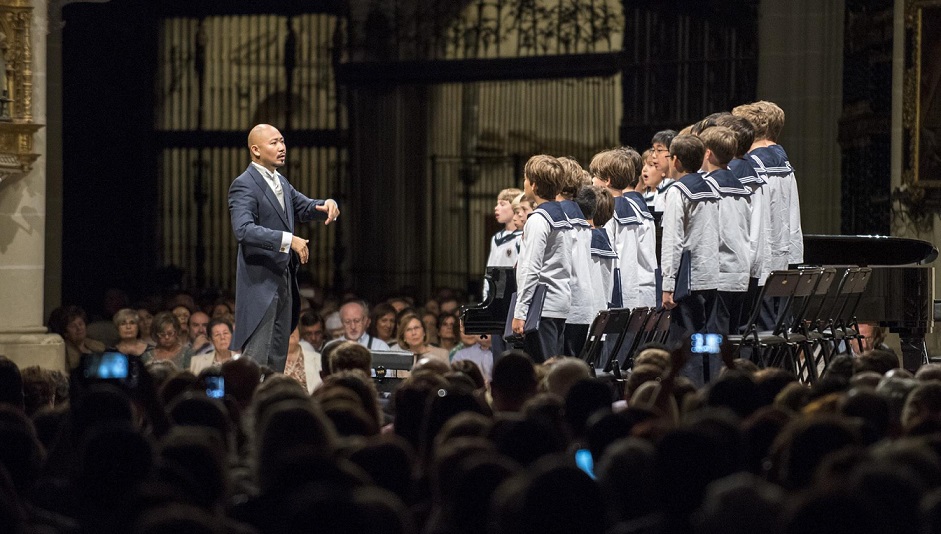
x: 601, y: 245
x: 553, y: 213
x: 573, y: 213
x: 695, y: 187
x: 745, y: 173
x: 627, y: 211
x: 723, y: 181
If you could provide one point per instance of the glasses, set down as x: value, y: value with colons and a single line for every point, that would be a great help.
x: 127, y: 323
x: 661, y: 150
x: 167, y: 335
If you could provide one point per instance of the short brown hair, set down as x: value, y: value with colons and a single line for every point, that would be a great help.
x: 604, y: 209
x: 572, y: 180
x: 350, y: 355
x: 766, y: 117
x: 721, y: 141
x: 546, y: 175
x: 636, y: 161
x: 744, y: 132
x: 614, y: 165
x: 690, y: 150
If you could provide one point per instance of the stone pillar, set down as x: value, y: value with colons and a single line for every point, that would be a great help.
x: 800, y: 67
x: 23, y: 337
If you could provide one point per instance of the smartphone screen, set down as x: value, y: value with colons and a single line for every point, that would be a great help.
x: 585, y: 462
x: 107, y: 365
x: 706, y: 343
x: 215, y: 387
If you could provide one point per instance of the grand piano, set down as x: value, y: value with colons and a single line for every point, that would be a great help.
x: 900, y: 293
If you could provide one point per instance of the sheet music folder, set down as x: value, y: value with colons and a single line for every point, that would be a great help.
x: 532, y: 318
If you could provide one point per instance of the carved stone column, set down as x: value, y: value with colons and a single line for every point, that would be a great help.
x: 23, y: 337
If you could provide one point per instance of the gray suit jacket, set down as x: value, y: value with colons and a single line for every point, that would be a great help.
x: 258, y: 222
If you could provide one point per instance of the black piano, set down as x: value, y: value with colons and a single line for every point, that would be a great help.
x: 489, y: 317
x: 900, y: 293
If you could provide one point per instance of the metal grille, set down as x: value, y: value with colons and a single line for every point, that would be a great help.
x: 572, y: 117
x: 407, y: 30
x: 247, y: 62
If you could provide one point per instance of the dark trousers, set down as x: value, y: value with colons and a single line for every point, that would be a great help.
x: 697, y: 313
x: 268, y: 344
x: 574, y: 338
x: 546, y: 341
x: 729, y: 312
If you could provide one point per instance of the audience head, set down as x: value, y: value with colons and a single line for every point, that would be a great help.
x: 513, y: 381
x: 11, y: 383
x: 128, y: 324
x: 166, y: 330
x: 354, y: 316
x: 348, y: 356
x: 197, y: 325
x: 411, y: 332
x: 382, y: 321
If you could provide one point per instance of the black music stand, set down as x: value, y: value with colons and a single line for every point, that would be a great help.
x: 622, y: 321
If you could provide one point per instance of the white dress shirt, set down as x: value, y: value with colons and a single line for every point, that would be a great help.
x: 273, y: 179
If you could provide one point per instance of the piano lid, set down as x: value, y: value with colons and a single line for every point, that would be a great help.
x: 867, y: 250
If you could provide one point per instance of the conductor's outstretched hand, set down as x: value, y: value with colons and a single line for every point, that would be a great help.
x: 331, y: 209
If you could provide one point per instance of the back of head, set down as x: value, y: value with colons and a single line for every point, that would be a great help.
x: 560, y: 498
x: 615, y: 165
x: 734, y: 390
x: 350, y: 356
x: 689, y: 150
x: 722, y: 142
x: 740, y: 504
x: 637, y: 162
x: 194, y: 461
x: 803, y: 444
x: 922, y: 405
x: 566, y: 373
x: 766, y: 117
x: 572, y: 180
x: 878, y: 360
x: 39, y: 389
x: 241, y: 376
x: 707, y: 122
x: 585, y: 398
x: 604, y: 207
x: 744, y: 132
x: 546, y: 175
x: 292, y: 425
x: 626, y: 475
x: 587, y: 200
x: 11, y: 383
x: 513, y: 380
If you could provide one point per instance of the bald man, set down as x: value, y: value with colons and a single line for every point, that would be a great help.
x: 264, y: 209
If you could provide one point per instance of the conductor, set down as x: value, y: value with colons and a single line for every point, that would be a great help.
x: 264, y: 208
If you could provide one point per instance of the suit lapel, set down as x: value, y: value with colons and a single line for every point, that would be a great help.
x: 269, y: 194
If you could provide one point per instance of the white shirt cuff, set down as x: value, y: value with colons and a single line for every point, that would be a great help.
x: 286, y: 238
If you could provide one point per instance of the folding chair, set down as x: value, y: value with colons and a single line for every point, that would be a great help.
x: 662, y: 332
x: 646, y: 333
x: 796, y: 342
x: 780, y: 284
x: 815, y: 316
x: 632, y: 324
x: 595, y: 342
x: 843, y: 311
